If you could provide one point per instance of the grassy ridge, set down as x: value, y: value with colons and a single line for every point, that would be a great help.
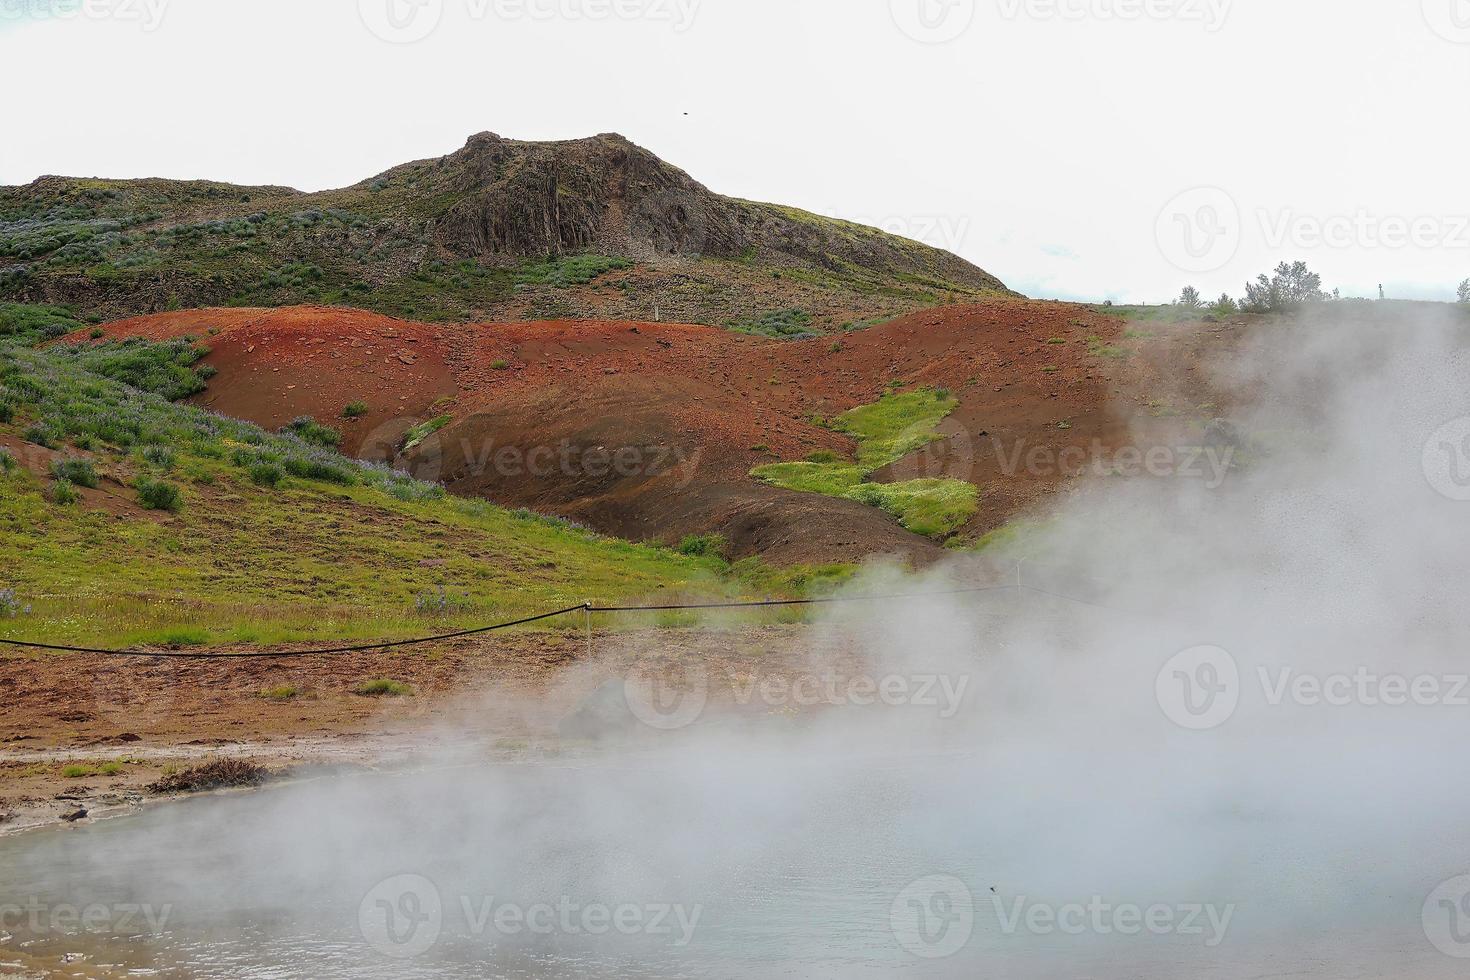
x: 325, y: 548
x: 886, y: 431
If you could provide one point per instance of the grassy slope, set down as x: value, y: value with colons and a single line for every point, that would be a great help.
x: 343, y: 551
x: 886, y: 431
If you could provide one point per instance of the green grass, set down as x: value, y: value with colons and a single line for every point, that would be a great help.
x: 781, y: 324
x: 283, y: 692
x: 932, y: 507
x: 571, y: 270
x: 897, y: 424
x: 416, y: 435
x: 383, y: 689
x: 330, y: 549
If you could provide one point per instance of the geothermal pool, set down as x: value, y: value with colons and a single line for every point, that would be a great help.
x: 708, y: 864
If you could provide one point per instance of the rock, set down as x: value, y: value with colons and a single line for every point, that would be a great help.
x: 73, y: 816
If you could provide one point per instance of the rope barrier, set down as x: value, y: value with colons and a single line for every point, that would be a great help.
x: 586, y: 608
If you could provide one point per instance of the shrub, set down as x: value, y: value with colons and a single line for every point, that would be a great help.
x: 63, y: 493
x: 7, y: 461
x: 314, y: 469
x: 219, y: 774
x: 308, y: 429
x: 160, y: 456
x: 499, y: 365
x: 1464, y: 291
x: 159, y: 495
x: 355, y: 410
x: 78, y: 471
x: 383, y: 689
x: 702, y: 545
x: 264, y: 474
x: 7, y: 413
x: 41, y: 436
x: 440, y: 602
x: 97, y: 333
x: 11, y: 606
x: 822, y: 456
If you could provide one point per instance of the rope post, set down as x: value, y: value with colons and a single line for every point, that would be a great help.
x: 587, y: 619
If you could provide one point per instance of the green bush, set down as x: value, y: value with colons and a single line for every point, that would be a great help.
x: 158, y: 495
x: 62, y: 492
x: 264, y: 474
x: 315, y: 469
x: 355, y: 410
x: 702, y: 546
x: 7, y: 461
x: 160, y: 456
x: 163, y: 368
x: 7, y: 413
x: 41, y: 436
x: 78, y: 471
x: 308, y: 429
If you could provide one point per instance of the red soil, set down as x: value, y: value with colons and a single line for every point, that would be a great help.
x: 541, y: 410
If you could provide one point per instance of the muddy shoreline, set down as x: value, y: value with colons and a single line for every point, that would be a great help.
x: 85, y: 735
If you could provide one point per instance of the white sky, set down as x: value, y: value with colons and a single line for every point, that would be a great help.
x: 1045, y: 142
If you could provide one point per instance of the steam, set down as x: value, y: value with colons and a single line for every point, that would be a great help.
x: 1053, y: 768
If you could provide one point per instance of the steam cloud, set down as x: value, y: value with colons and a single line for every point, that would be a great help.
x: 1306, y: 835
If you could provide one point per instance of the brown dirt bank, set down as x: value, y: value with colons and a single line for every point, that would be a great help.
x: 649, y: 430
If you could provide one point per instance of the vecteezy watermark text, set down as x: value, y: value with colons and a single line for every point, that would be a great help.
x: 1209, y: 464
x: 36, y: 917
x: 148, y: 14
x: 668, y: 694
x: 407, y: 21
x: 1210, y: 13
x: 1201, y: 688
x: 405, y: 916
x: 1099, y: 917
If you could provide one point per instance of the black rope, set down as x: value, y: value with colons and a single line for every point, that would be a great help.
x: 801, y: 602
x: 583, y: 607
x: 283, y: 654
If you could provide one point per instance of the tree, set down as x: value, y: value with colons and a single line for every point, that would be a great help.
x: 1291, y: 285
x: 1465, y: 291
x: 1224, y: 306
x: 1189, y: 299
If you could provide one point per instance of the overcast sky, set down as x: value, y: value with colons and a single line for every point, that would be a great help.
x: 1080, y: 149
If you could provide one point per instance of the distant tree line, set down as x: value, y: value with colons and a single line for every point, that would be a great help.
x: 1290, y: 286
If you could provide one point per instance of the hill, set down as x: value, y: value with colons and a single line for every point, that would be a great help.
x: 657, y: 431
x: 500, y: 229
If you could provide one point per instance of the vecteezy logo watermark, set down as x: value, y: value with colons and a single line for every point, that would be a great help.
x: 933, y: 21
x: 666, y: 693
x: 1447, y: 459
x: 1199, y: 230
x: 1450, y: 19
x: 1202, y: 687
x: 401, y: 21
x: 934, y: 917
x: 1446, y: 918
x: 148, y: 14
x: 403, y: 918
x: 1102, y: 918
x: 36, y: 918
x: 1361, y: 229
x: 1199, y: 688
x: 1208, y: 464
x: 1210, y: 13
x: 407, y: 21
